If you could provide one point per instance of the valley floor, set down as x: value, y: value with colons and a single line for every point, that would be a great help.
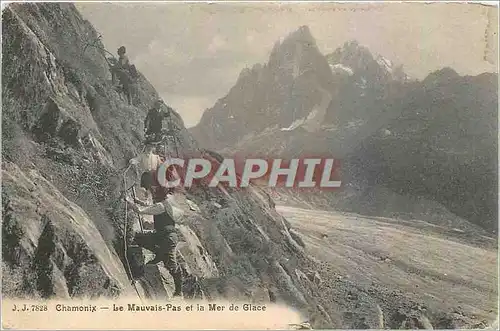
x: 429, y: 264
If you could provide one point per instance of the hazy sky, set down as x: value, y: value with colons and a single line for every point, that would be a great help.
x: 193, y: 53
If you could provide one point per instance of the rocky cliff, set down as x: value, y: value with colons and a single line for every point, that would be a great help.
x: 67, y: 137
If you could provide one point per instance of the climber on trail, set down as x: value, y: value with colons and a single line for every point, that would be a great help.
x: 148, y: 160
x: 125, y: 72
x: 163, y: 240
x: 123, y: 64
x: 123, y: 60
x: 153, y: 124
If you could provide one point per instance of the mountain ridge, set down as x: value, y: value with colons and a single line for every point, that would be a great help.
x: 370, y: 102
x: 295, y: 71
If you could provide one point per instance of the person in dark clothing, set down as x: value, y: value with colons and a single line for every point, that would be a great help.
x: 163, y: 240
x: 153, y: 124
x: 122, y: 70
x: 123, y: 64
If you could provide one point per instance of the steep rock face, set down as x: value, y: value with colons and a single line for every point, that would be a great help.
x: 55, y: 69
x: 50, y: 245
x: 67, y: 136
x: 62, y: 117
x: 284, y: 90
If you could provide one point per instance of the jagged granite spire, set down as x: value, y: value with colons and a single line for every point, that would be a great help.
x: 285, y: 90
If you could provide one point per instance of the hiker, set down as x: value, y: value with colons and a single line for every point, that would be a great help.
x: 163, y: 240
x: 123, y: 60
x: 125, y: 72
x: 153, y: 124
x: 123, y: 64
x: 148, y: 160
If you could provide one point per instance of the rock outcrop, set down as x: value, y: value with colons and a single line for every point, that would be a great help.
x: 50, y: 246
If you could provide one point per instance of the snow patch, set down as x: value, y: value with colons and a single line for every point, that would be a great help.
x: 340, y: 68
x: 384, y: 63
x: 313, y: 119
x: 294, y: 125
x: 313, y: 114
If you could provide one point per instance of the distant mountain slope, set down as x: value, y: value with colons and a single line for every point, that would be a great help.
x: 443, y: 146
x: 434, y: 139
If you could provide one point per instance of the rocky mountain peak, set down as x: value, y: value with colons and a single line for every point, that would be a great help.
x: 353, y: 58
x: 293, y: 49
x: 281, y: 92
x: 351, y: 54
x: 302, y: 34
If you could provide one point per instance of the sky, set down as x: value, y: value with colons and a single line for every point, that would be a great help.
x: 193, y: 52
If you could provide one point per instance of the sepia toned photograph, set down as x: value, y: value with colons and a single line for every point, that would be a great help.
x: 249, y: 165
